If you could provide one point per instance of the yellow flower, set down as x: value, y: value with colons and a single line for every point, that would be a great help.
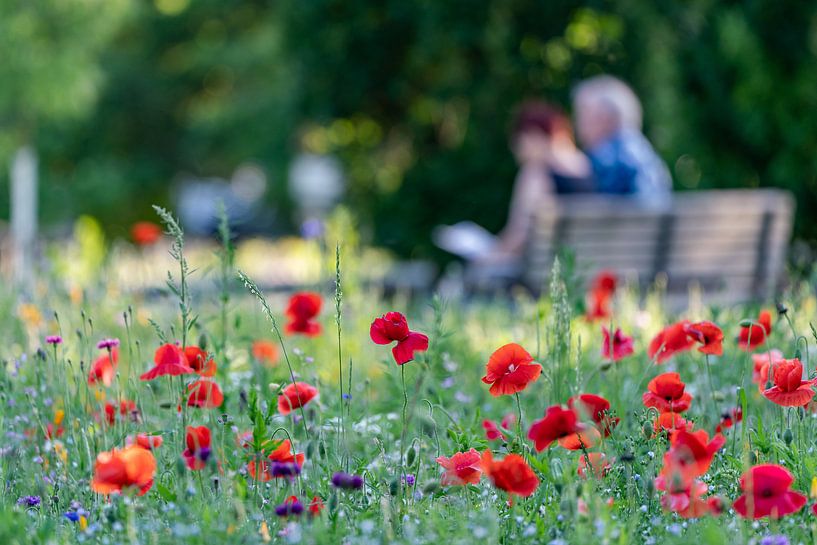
x: 813, y: 492
x: 264, y: 531
x: 59, y: 414
x: 83, y: 522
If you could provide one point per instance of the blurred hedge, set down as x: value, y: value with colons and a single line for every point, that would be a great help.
x: 415, y: 98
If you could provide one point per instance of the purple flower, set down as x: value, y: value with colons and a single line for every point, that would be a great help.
x: 285, y: 469
x: 346, y: 480
x: 73, y: 516
x: 53, y: 339
x: 408, y: 479
x: 311, y: 228
x: 775, y: 540
x: 29, y: 501
x: 107, y: 344
x: 290, y: 507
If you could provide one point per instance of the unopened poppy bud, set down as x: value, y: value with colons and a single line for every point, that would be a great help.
x: 394, y: 487
x: 647, y: 429
x: 781, y: 309
x: 788, y: 436
x: 203, y: 342
x: 752, y: 457
x: 310, y: 450
x: 411, y: 455
x: 322, y: 449
x: 628, y: 457
x: 605, y: 365
x: 718, y: 396
x: 274, y: 386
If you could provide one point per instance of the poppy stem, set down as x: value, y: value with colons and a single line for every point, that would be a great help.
x: 711, y: 385
x: 518, y: 419
x: 403, y: 432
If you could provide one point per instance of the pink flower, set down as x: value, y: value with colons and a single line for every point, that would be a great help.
x: 622, y: 346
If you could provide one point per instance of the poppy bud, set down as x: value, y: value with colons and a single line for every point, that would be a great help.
x: 752, y: 457
x: 410, y: 456
x: 718, y: 396
x: 203, y: 342
x: 394, y: 486
x: 647, y: 430
x: 322, y: 449
x: 605, y: 365
x: 430, y: 487
x: 781, y: 309
x: 333, y: 503
x: 788, y: 436
x: 627, y: 457
x: 310, y: 450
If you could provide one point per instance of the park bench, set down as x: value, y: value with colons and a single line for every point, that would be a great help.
x: 729, y: 244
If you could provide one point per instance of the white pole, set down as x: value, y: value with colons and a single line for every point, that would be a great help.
x: 23, y: 213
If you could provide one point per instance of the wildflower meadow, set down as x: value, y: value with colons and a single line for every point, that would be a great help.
x: 215, y: 411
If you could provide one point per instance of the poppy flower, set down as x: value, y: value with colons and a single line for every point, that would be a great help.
x: 562, y: 425
x: 460, y: 469
x: 301, y: 311
x: 761, y: 363
x: 511, y: 474
x: 510, y: 369
x: 391, y: 327
x: 126, y: 408
x: 691, y: 453
x: 685, y: 500
x: 671, y: 340
x: 283, y: 454
x: 198, y: 447
x: 492, y: 432
x: 709, y: 336
x: 598, y: 464
x: 204, y: 394
x: 766, y: 493
x: 729, y: 419
x: 265, y: 352
x: 789, y: 390
x: 200, y: 361
x: 104, y: 368
x: 294, y: 396
x: 145, y: 233
x: 600, y: 296
x: 120, y: 470
x: 666, y: 393
x: 671, y: 422
x: 754, y: 335
x: 146, y: 441
x: 169, y: 359
x: 316, y: 506
x: 596, y: 408
x: 281, y: 462
x: 622, y: 346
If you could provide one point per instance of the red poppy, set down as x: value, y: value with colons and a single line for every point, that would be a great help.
x: 729, y: 419
x: 762, y: 362
x: 492, y: 432
x: 265, y: 352
x: 126, y: 408
x: 754, y: 335
x: 302, y: 309
x: 666, y: 393
x: 789, y: 390
x: 145, y: 233
x: 511, y: 474
x: 510, y: 369
x: 598, y: 464
x: 622, y: 346
x: 671, y: 422
x: 316, y: 506
x: 766, y: 493
x: 283, y: 454
x: 200, y: 361
x: 104, y: 368
x: 146, y: 441
x: 685, y: 499
x: 129, y: 468
x: 169, y: 359
x: 391, y: 327
x: 294, y: 396
x: 596, y: 408
x: 709, y: 336
x: 198, y: 447
x: 691, y: 453
x: 52, y: 431
x: 600, y: 296
x: 671, y: 340
x: 562, y: 425
x: 461, y: 469
x: 204, y: 394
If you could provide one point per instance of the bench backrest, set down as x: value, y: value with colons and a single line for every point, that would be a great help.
x: 731, y: 243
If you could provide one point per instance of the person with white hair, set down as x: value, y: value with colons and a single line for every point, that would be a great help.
x: 608, y: 124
